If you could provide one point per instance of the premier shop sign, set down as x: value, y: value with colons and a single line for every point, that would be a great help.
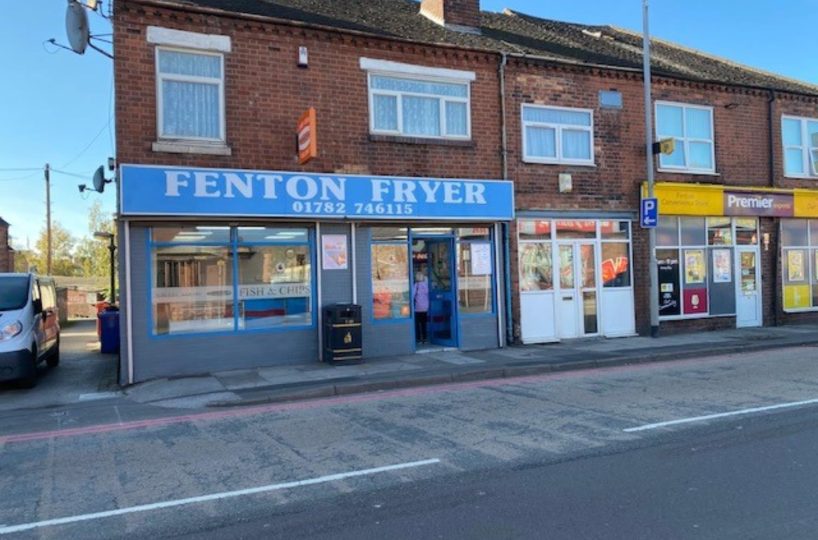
x: 185, y: 191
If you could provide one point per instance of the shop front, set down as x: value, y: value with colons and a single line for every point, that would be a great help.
x: 575, y: 278
x: 711, y: 246
x: 229, y: 269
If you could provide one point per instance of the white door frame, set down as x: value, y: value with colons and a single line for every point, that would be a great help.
x: 760, y: 297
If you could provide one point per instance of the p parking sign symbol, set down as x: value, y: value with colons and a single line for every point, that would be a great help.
x: 649, y: 215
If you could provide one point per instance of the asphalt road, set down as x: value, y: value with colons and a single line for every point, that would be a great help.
x: 550, y: 456
x: 749, y: 479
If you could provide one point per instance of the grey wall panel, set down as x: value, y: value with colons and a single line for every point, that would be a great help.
x: 123, y: 302
x: 380, y: 339
x: 180, y: 355
x: 336, y: 285
x: 478, y: 333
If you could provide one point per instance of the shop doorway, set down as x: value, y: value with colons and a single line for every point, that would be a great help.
x: 577, y: 306
x: 748, y: 287
x: 433, y: 259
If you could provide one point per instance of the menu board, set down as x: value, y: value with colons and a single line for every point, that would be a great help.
x: 668, y: 270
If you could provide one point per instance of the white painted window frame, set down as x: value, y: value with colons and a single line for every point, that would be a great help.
x: 805, y: 148
x: 162, y: 77
x: 685, y: 140
x: 411, y: 72
x: 558, y: 129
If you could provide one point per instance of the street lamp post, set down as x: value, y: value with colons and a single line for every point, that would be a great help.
x: 653, y: 290
x: 112, y: 249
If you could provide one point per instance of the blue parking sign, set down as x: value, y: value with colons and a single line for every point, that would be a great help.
x: 649, y: 214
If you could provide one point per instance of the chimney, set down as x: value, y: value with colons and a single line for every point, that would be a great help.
x: 460, y: 15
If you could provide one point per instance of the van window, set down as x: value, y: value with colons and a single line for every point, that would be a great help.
x: 47, y: 294
x: 13, y: 292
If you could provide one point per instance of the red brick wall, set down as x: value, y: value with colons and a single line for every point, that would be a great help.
x: 6, y: 255
x: 612, y: 185
x: 461, y: 12
x: 266, y: 92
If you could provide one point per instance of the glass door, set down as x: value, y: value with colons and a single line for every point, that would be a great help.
x: 748, y: 293
x: 577, y: 301
x: 442, y: 302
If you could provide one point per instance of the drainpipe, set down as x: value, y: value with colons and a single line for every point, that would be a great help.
x: 506, y: 234
x: 776, y: 270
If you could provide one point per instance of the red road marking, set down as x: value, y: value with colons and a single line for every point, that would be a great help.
x: 326, y: 402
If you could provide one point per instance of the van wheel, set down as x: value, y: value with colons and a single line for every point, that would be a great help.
x: 30, y: 381
x: 53, y: 359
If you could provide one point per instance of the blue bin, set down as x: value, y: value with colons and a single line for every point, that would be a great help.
x: 109, y: 326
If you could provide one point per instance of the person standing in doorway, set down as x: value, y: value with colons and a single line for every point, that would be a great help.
x: 420, y: 297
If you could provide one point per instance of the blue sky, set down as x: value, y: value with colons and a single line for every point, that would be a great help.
x: 56, y: 106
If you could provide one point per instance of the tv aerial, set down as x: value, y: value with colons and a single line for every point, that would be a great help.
x: 78, y: 31
x: 99, y: 180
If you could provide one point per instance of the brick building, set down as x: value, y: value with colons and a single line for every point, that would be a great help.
x: 6, y: 253
x: 234, y: 239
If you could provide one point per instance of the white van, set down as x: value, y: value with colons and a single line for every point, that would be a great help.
x: 29, y: 327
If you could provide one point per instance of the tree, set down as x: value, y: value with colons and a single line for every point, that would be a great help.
x: 62, y: 252
x: 92, y: 255
x: 23, y: 259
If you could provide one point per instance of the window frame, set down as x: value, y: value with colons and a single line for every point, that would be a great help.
x: 685, y: 139
x: 161, y: 78
x: 442, y: 100
x: 558, y: 128
x: 811, y: 267
x: 806, y: 148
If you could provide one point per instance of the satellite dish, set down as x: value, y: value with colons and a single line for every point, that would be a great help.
x: 99, y: 179
x: 76, y: 26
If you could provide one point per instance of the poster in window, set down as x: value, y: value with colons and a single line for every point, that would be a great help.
x: 480, y: 258
x: 722, y: 266
x: 668, y: 269
x: 694, y: 267
x: 334, y: 252
x: 695, y: 301
x: 795, y: 265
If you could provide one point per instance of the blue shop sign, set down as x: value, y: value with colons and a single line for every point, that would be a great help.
x: 188, y: 191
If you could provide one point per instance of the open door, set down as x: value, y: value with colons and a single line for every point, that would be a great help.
x: 442, y: 297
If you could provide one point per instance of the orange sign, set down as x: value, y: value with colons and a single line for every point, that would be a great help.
x: 307, y: 139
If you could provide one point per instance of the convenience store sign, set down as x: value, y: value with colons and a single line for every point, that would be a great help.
x: 677, y: 199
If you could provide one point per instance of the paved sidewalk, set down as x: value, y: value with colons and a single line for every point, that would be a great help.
x: 288, y: 383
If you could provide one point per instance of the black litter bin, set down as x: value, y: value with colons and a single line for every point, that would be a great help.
x: 343, y: 337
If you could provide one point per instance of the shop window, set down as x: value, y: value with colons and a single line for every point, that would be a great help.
x: 696, y: 270
x: 692, y: 128
x: 616, y: 268
x: 799, y: 263
x: 531, y: 229
x: 275, y: 278
x: 416, y: 107
x: 558, y: 135
x: 667, y: 231
x: 389, y: 233
x: 719, y: 231
x: 615, y: 230
x: 474, y: 276
x: 236, y: 278
x: 800, y: 140
x: 190, y: 95
x: 747, y: 232
x: 572, y: 229
x: 536, y: 267
x: 192, y: 289
x: 390, y: 281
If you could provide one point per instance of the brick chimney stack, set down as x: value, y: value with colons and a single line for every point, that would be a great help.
x: 462, y: 15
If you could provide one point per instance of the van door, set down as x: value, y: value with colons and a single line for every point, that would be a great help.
x: 51, y: 327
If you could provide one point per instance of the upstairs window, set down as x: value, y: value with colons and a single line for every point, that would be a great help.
x: 190, y: 95
x: 558, y: 135
x: 800, y: 139
x: 418, y: 101
x: 692, y: 128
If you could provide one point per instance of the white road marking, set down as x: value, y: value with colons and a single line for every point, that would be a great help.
x: 98, y: 395
x: 9, y: 529
x: 722, y: 415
